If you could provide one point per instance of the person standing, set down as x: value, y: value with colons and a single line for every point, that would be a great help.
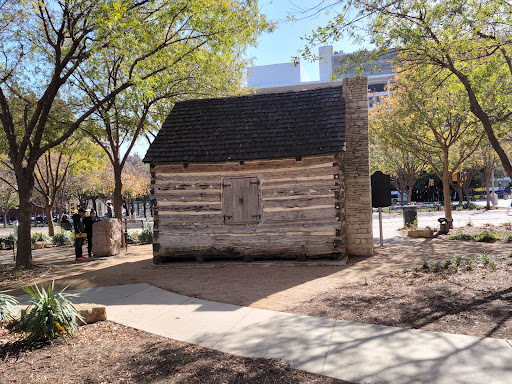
x: 88, y: 222
x: 78, y: 224
x: 110, y: 209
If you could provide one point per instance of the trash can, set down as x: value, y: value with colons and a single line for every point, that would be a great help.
x: 410, y: 216
x: 444, y: 227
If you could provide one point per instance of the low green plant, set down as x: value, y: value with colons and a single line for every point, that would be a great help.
x: 426, y: 264
x: 62, y: 237
x: 485, y: 258
x: 458, y: 261
x: 447, y: 264
x: 8, y: 308
x: 461, y: 236
x: 146, y: 235
x: 51, y: 314
x: 17, y: 272
x: 470, y: 223
x: 508, y: 239
x: 38, y: 236
x: 486, y: 237
x: 365, y: 281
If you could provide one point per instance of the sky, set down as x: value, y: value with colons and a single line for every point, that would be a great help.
x: 285, y: 42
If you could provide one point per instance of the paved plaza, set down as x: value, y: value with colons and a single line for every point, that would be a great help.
x: 356, y: 352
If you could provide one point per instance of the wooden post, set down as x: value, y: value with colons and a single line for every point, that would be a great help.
x: 380, y: 227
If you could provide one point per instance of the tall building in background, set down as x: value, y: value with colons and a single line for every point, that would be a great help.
x: 266, y: 78
x: 379, y: 72
x: 274, y: 75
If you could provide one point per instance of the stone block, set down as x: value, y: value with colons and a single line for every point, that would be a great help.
x: 91, y: 312
x: 106, y: 237
x: 427, y: 233
x: 39, y: 244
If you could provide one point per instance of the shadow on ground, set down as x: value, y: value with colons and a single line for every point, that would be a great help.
x: 271, y: 285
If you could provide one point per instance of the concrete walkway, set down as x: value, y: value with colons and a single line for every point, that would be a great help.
x: 350, y: 351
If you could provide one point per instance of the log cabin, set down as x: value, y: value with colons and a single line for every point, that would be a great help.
x: 276, y: 175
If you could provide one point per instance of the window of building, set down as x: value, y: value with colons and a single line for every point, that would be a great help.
x: 241, y: 200
x: 377, y: 87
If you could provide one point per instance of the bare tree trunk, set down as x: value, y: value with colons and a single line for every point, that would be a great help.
x: 460, y: 193
x: 487, y: 189
x: 118, y: 197
x: 128, y: 210
x: 49, y: 219
x: 446, y: 188
x: 24, y: 253
x: 5, y: 219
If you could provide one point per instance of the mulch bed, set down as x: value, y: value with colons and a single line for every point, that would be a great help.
x: 106, y: 352
x: 11, y: 277
x: 502, y: 230
x: 474, y: 299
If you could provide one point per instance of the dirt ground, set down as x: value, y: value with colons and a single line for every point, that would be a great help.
x: 128, y: 355
x: 278, y: 285
x: 472, y: 298
x: 408, y: 284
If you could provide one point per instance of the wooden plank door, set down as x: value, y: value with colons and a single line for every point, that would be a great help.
x: 241, y: 200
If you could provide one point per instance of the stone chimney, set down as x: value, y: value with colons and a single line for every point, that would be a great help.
x: 356, y: 160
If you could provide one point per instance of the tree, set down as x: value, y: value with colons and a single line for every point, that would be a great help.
x: 431, y: 123
x: 8, y: 192
x: 205, y: 61
x: 136, y: 179
x: 52, y: 169
x: 51, y: 40
x: 467, y: 41
x: 401, y: 164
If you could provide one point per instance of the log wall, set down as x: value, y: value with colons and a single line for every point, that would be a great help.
x: 301, y: 203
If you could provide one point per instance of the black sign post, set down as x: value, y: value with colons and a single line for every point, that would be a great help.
x: 381, y: 196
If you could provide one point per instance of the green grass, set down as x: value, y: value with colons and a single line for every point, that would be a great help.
x: 487, y: 237
x: 461, y: 236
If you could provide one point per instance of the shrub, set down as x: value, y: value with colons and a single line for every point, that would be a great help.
x: 38, y: 236
x: 486, y: 236
x: 8, y: 308
x: 62, y: 237
x: 464, y: 206
x: 509, y: 239
x: 8, y: 237
x: 461, y: 236
x: 146, y: 236
x: 49, y: 315
x: 132, y: 237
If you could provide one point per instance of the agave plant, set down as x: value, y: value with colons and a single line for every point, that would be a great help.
x: 8, y: 308
x: 49, y: 315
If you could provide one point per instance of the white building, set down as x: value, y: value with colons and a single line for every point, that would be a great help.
x: 274, y: 75
x: 286, y: 76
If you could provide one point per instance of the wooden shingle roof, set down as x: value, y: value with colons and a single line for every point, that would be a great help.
x: 266, y: 126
